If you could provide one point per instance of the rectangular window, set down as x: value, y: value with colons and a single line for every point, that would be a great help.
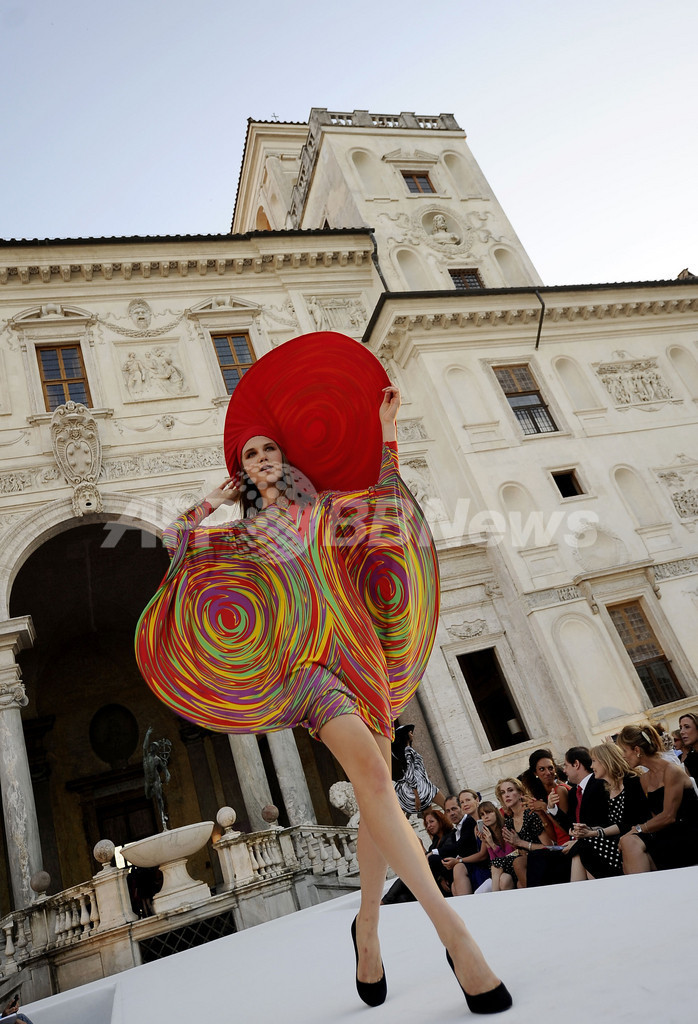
x: 63, y: 377
x: 492, y: 698
x: 235, y: 357
x: 567, y: 483
x: 466, y: 280
x: 647, y: 656
x: 521, y: 389
x: 417, y: 182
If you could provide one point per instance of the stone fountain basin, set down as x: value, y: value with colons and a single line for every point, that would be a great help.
x: 177, y: 844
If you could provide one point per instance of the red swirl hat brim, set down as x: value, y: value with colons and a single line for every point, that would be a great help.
x: 318, y: 397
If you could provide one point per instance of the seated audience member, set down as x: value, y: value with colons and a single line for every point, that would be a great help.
x: 668, y: 837
x: 541, y: 780
x: 472, y: 870
x: 501, y: 853
x: 688, y: 727
x: 523, y: 829
x: 443, y: 846
x: 12, y: 1008
x: 679, y: 745
x: 587, y: 799
x: 594, y: 848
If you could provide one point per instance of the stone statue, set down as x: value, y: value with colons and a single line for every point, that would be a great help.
x: 342, y: 797
x: 156, y: 754
x: 440, y: 232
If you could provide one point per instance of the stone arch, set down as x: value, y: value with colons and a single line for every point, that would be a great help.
x: 686, y: 367
x: 636, y: 496
x: 56, y: 517
x: 412, y: 269
x: 574, y: 382
x: 262, y: 221
x: 514, y: 497
x: 591, y: 664
x: 369, y: 172
x: 460, y: 173
x: 509, y: 266
x: 467, y: 396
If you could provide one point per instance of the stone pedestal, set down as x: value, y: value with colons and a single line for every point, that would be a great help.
x: 289, y: 771
x: 21, y: 826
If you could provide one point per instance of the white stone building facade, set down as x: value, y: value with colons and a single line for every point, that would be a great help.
x: 551, y: 434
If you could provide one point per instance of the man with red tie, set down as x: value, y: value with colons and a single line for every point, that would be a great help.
x: 588, y: 799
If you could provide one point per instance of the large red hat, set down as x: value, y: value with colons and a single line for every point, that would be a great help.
x: 318, y: 397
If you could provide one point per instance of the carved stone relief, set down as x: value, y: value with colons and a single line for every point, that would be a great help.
x: 153, y: 373
x: 466, y: 630
x: 78, y: 454
x: 163, y: 462
x: 337, y: 313
x: 681, y: 481
x: 430, y: 226
x: 415, y: 473
x: 284, y: 315
x: 634, y: 382
x: 411, y: 430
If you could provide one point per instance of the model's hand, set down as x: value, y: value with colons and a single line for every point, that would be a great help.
x: 225, y: 494
x: 388, y: 412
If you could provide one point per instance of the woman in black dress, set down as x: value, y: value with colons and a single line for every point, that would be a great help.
x: 668, y: 837
x: 595, y: 852
x: 522, y: 826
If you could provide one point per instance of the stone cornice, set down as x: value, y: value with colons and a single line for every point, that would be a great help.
x: 485, y: 317
x: 215, y: 264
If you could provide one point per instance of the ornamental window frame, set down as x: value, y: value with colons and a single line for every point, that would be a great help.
x: 237, y: 316
x: 63, y: 380
x: 548, y: 400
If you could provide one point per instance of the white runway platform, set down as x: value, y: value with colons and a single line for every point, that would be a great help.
x: 631, y: 940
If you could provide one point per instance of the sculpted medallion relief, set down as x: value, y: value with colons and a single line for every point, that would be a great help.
x: 634, y: 382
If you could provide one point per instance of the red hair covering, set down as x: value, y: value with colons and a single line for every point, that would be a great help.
x: 318, y: 397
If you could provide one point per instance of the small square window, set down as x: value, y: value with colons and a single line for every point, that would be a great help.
x: 466, y: 279
x: 567, y: 483
x: 418, y: 182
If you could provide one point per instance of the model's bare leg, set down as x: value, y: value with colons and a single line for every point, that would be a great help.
x: 355, y: 748
x: 372, y: 868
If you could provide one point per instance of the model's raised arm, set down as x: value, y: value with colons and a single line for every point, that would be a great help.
x: 388, y: 412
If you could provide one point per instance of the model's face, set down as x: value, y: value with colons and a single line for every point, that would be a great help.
x: 689, y: 731
x: 262, y: 461
x: 509, y: 794
x: 468, y: 803
x: 598, y: 769
x: 545, y: 770
x: 431, y: 824
x: 453, y: 811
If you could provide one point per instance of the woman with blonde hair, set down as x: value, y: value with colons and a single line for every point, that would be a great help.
x: 667, y: 834
x: 595, y: 851
x: 523, y: 829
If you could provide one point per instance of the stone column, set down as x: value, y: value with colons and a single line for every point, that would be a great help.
x: 252, y: 777
x: 21, y: 826
x: 289, y: 771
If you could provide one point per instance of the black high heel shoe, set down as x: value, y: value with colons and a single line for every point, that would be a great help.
x: 372, y: 992
x: 495, y: 1001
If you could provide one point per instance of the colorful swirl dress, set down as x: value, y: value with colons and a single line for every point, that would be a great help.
x: 298, y: 615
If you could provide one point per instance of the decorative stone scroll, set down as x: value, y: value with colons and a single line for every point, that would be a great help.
x: 78, y: 454
x: 337, y: 313
x: 634, y: 382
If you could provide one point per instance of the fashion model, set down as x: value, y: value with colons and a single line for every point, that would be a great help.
x: 318, y: 608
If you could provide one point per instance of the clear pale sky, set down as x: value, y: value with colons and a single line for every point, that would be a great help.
x: 129, y: 118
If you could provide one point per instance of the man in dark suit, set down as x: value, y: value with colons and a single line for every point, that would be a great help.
x: 588, y: 798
